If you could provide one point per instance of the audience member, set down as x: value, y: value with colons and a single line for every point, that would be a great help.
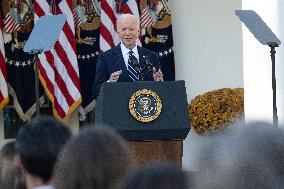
x: 97, y: 158
x: 157, y: 175
x: 10, y: 173
x: 251, y: 156
x: 38, y: 144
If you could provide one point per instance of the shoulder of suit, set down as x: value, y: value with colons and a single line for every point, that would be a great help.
x: 148, y: 52
x: 110, y: 52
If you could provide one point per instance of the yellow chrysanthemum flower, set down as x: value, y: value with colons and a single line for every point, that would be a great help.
x: 216, y: 109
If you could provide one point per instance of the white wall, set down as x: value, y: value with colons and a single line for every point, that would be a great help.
x: 208, y: 52
x: 208, y: 44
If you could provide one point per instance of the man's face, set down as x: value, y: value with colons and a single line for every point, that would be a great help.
x: 128, y: 32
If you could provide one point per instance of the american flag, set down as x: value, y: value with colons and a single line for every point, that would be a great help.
x: 77, y: 16
x: 109, y: 15
x: 58, y: 68
x: 77, y: 19
x: 89, y: 6
x: 148, y: 18
x: 11, y: 21
x: 3, y: 74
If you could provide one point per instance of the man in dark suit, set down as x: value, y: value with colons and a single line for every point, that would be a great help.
x: 127, y: 61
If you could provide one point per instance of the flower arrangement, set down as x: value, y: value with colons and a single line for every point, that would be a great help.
x: 216, y: 109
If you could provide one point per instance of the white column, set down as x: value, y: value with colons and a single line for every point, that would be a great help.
x: 208, y: 53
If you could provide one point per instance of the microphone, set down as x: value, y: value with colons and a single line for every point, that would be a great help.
x: 136, y: 65
x: 148, y: 66
x: 137, y: 68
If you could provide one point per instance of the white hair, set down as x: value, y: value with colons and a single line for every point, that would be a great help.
x: 127, y: 16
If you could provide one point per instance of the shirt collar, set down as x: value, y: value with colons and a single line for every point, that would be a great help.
x: 125, y: 50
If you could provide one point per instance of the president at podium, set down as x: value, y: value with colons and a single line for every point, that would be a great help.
x: 127, y: 61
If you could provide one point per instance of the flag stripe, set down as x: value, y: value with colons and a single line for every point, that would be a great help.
x: 63, y: 88
x: 68, y: 65
x: 107, y: 36
x: 3, y: 84
x: 77, y: 19
x: 104, y: 44
x: 106, y: 9
x: 3, y: 66
x: 107, y: 26
x: 3, y: 72
x: 59, y: 70
x: 70, y: 37
x: 146, y: 19
x: 1, y: 97
x: 11, y: 24
x: 44, y: 74
x: 66, y: 8
x: 68, y: 80
x: 38, y: 7
x: 59, y: 111
x: 61, y: 98
x: 128, y: 10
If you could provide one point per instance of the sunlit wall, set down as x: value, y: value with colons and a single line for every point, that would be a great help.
x: 208, y: 53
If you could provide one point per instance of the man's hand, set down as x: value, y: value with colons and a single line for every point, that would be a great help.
x: 114, y: 76
x: 158, y: 75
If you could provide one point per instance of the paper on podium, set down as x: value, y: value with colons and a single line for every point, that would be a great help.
x: 45, y: 33
x: 257, y: 27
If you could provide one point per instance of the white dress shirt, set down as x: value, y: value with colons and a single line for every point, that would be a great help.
x: 125, y: 53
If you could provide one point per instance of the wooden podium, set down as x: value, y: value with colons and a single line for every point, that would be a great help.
x: 151, y: 116
x: 167, y: 150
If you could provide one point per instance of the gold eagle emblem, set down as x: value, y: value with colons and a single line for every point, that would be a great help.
x: 145, y: 105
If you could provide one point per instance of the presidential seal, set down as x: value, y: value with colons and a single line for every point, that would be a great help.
x: 145, y: 105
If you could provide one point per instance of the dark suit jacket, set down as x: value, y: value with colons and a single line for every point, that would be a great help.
x: 112, y: 61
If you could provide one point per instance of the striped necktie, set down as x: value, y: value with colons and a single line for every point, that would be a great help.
x: 132, y: 64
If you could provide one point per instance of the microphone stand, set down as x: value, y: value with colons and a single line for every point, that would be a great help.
x: 148, y: 67
x: 272, y: 45
x: 140, y: 74
x: 36, y: 52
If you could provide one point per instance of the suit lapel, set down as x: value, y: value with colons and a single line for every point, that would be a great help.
x: 121, y: 64
x: 141, y: 54
x: 118, y: 58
